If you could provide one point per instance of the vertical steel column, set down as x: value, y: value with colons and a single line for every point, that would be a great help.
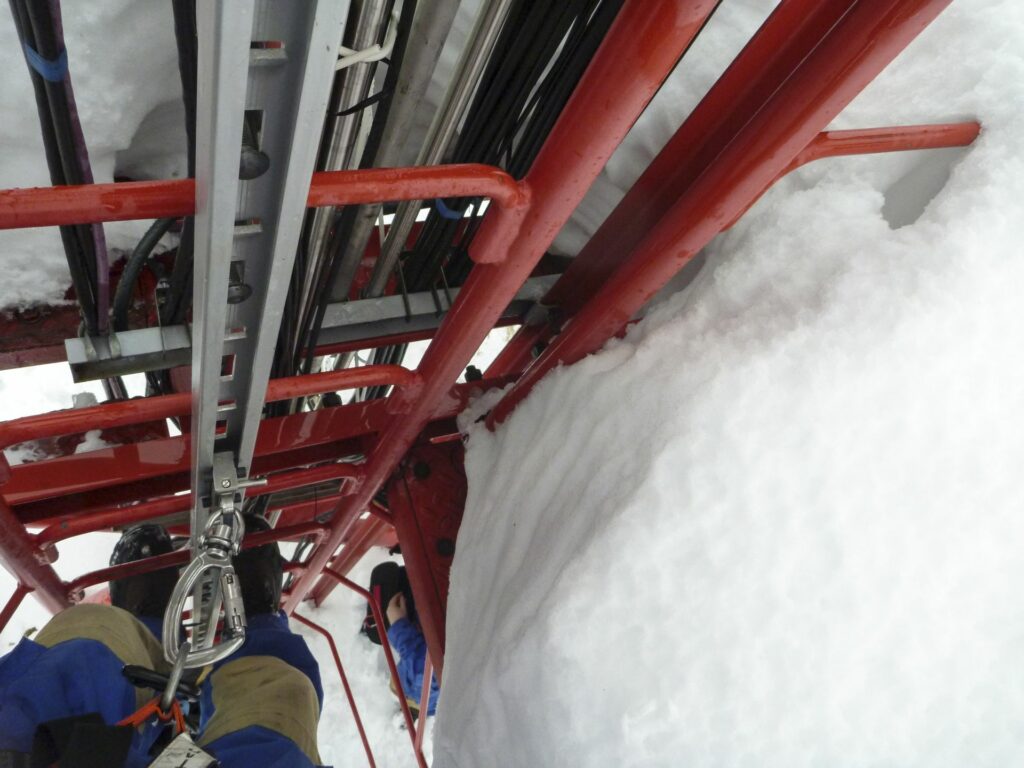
x: 223, y: 63
x: 427, y: 496
x: 639, y: 51
x: 851, y: 54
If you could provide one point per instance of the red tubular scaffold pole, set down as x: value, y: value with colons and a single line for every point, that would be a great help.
x: 27, y: 563
x: 344, y: 682
x: 385, y: 644
x: 124, y: 412
x: 585, y: 275
x: 125, y: 201
x: 428, y: 676
x: 76, y: 525
x: 851, y: 54
x: 640, y: 50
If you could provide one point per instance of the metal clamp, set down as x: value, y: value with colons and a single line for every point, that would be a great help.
x: 375, y: 52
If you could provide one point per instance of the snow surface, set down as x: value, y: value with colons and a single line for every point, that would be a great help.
x: 117, y: 87
x: 775, y: 525
x: 779, y: 524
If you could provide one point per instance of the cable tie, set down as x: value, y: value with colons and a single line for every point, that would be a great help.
x: 54, y: 70
x: 445, y: 211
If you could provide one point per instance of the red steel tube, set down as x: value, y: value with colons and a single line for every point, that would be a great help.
x: 358, y: 545
x: 26, y: 563
x: 378, y: 617
x: 428, y: 676
x: 123, y: 201
x: 181, y: 556
x: 12, y: 605
x: 102, y: 519
x: 574, y: 290
x: 853, y: 52
x: 139, y: 410
x: 641, y: 48
x: 784, y: 39
x: 900, y: 138
x: 344, y: 682
x: 76, y: 525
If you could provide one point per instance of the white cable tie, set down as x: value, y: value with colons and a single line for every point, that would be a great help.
x: 375, y: 52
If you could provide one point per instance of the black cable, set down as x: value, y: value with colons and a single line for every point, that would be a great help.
x: 344, y: 221
x: 535, y: 66
x: 132, y: 269
x: 179, y: 291
x: 58, y: 145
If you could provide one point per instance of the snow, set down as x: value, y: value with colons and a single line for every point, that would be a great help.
x: 117, y: 89
x: 342, y: 614
x: 779, y: 523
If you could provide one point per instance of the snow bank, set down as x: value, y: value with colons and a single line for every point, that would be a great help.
x: 779, y: 524
x: 123, y: 64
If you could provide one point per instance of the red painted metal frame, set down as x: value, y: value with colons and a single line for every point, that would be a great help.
x: 126, y: 201
x: 389, y: 656
x: 763, y: 117
x: 639, y: 51
x: 344, y: 682
x: 428, y: 677
x: 662, y: 184
x: 765, y: 110
x: 427, y: 496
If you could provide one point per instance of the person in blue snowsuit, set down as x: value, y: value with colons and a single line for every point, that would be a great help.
x: 63, y: 692
x: 407, y: 639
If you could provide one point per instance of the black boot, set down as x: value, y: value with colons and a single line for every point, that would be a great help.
x: 260, y: 572
x: 146, y: 594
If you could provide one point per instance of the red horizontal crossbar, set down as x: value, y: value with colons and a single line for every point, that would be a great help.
x: 130, y: 200
x: 139, y: 410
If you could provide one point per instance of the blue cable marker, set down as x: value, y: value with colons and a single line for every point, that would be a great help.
x: 445, y: 211
x: 54, y: 71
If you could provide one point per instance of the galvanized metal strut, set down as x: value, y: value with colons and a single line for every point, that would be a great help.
x: 266, y: 65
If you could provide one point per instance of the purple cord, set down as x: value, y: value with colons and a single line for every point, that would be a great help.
x: 82, y: 155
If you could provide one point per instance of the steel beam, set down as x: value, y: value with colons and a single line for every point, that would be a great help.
x: 43, y: 491
x: 427, y: 497
x: 27, y: 563
x: 345, y: 323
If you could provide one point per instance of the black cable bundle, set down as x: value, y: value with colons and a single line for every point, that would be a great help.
x: 179, y: 293
x: 538, y: 60
x: 37, y: 32
x: 290, y: 361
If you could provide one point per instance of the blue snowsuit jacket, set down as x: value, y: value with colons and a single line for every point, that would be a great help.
x: 406, y: 638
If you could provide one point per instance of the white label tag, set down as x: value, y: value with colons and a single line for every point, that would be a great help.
x: 183, y: 753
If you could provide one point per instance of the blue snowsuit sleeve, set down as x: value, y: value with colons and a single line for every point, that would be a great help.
x: 406, y: 638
